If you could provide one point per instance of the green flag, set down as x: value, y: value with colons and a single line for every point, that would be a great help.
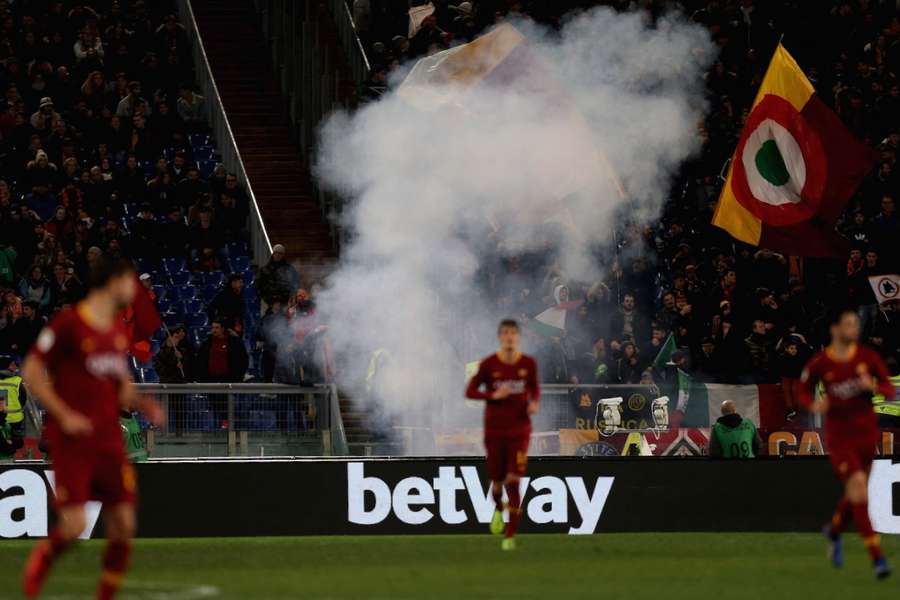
x: 664, y: 355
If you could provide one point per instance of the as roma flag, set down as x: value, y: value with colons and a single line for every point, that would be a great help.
x: 794, y: 169
x: 141, y: 321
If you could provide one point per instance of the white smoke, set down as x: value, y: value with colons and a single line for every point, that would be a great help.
x: 428, y: 190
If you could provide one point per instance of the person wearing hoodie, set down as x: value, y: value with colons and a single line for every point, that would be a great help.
x: 733, y: 436
x: 794, y: 354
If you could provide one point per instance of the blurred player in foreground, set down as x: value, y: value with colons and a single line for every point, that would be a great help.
x: 850, y: 373
x: 508, y: 382
x: 83, y: 351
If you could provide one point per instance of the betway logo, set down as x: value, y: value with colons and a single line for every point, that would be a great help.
x: 414, y: 500
x: 25, y: 513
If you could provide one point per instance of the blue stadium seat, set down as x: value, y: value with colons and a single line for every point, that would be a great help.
x: 249, y: 279
x: 194, y: 306
x: 145, y: 265
x: 197, y: 320
x: 209, y: 291
x: 206, y: 167
x: 216, y: 278
x: 149, y: 376
x: 180, y: 278
x: 199, y: 139
x: 160, y: 291
x: 238, y: 248
x: 239, y: 264
x: 163, y: 305
x: 201, y: 153
x: 169, y: 153
x: 175, y: 264
x: 172, y: 319
x: 185, y: 292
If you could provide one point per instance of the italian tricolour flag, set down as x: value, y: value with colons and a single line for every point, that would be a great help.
x: 794, y: 169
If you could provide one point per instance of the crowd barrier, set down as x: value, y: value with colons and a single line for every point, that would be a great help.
x: 451, y: 495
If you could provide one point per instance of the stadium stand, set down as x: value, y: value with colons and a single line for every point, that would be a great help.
x: 106, y: 150
x: 739, y: 314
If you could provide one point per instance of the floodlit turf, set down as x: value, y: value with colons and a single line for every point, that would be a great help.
x: 632, y: 567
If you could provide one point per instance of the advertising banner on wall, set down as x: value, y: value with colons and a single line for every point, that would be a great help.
x: 449, y: 495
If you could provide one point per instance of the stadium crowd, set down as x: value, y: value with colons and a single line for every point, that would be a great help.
x: 105, y: 150
x: 738, y: 314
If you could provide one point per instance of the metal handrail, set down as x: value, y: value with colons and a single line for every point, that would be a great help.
x: 353, y: 46
x: 231, y: 154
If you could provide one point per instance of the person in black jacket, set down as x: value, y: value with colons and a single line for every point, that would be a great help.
x: 228, y: 305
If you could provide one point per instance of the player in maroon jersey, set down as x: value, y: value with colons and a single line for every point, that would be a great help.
x: 508, y: 382
x: 850, y: 374
x: 78, y: 371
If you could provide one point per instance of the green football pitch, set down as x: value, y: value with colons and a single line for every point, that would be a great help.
x: 608, y: 566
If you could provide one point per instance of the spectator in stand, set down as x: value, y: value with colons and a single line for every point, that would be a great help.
x: 222, y: 356
x: 273, y: 332
x: 628, y: 323
x: 134, y: 103
x: 228, y: 306
x: 175, y: 234
x: 793, y: 356
x: 174, y: 361
x: 192, y: 109
x: 629, y: 366
x: 35, y: 288
x: 65, y: 287
x: 759, y: 348
x: 277, y: 278
x: 46, y: 118
x: 26, y: 329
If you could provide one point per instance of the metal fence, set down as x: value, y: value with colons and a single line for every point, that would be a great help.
x: 246, y: 420
x: 221, y: 130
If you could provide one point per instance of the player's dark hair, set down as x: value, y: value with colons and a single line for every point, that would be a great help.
x: 106, y: 269
x: 835, y: 316
x: 508, y: 323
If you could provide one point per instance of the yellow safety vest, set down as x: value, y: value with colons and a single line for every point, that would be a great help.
x: 374, y: 365
x: 14, y: 412
x: 887, y: 409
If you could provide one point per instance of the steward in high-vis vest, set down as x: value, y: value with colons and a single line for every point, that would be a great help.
x: 888, y: 414
x: 15, y: 396
x: 733, y: 436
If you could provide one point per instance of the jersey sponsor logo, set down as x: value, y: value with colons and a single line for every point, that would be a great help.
x: 106, y: 364
x: 24, y: 503
x: 516, y: 386
x: 849, y: 388
x: 457, y: 495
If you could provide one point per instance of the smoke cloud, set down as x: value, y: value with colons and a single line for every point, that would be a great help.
x: 438, y: 194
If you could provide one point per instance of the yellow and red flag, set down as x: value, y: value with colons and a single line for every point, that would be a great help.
x: 794, y: 170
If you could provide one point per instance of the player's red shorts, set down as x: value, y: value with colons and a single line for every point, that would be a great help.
x: 506, y: 454
x: 851, y: 454
x: 82, y: 476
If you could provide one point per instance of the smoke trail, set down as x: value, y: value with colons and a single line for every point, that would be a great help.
x: 439, y: 196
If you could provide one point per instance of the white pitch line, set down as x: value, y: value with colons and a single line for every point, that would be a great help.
x: 146, y: 590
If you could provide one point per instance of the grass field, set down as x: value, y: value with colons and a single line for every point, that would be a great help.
x: 610, y: 566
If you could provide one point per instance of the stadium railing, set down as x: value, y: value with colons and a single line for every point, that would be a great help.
x: 221, y: 129
x: 308, y: 72
x: 246, y: 419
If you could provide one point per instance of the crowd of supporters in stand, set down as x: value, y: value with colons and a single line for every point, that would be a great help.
x: 105, y: 150
x: 739, y: 314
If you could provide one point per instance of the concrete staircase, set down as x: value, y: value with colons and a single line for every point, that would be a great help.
x: 241, y: 63
x: 257, y: 112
